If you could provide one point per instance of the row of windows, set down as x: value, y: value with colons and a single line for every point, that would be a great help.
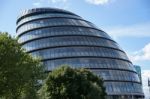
x: 117, y: 75
x: 68, y: 41
x: 53, y: 22
x: 89, y: 63
x: 44, y: 10
x: 122, y: 87
x: 46, y: 15
x: 105, y: 74
x: 79, y: 51
x: 135, y: 96
x: 56, y: 31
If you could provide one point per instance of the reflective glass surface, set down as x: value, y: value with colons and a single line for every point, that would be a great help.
x: 61, y: 31
x: 46, y: 15
x: 123, y: 88
x: 43, y: 10
x: 53, y: 22
x: 69, y: 41
x: 79, y: 51
x: 117, y: 75
x: 103, y: 63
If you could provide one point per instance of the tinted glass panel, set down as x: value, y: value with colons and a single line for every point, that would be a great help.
x: 69, y: 41
x: 53, y: 22
x: 123, y: 87
x: 90, y: 63
x: 79, y: 51
x: 46, y: 15
x: 64, y: 31
x: 117, y: 75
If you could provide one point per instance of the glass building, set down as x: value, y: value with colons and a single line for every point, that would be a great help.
x: 62, y: 37
x: 138, y: 70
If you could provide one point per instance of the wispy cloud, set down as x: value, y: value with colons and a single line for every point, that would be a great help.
x: 141, y: 55
x: 98, y: 2
x: 37, y: 4
x: 145, y: 76
x: 137, y: 30
x: 64, y: 3
x: 57, y: 1
x: 52, y: 3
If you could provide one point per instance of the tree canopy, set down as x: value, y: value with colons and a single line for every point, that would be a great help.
x: 20, y: 75
x: 19, y: 71
x: 68, y: 83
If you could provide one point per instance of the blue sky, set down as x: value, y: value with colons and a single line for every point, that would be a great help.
x: 127, y: 21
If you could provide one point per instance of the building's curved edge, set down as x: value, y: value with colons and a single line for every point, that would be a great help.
x: 35, y: 11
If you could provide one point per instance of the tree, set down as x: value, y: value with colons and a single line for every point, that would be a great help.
x: 68, y: 83
x: 19, y: 71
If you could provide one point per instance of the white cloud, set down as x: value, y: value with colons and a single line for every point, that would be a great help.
x: 57, y: 1
x: 97, y: 2
x: 37, y: 4
x: 63, y: 4
x: 145, y: 76
x: 143, y: 54
x: 137, y: 30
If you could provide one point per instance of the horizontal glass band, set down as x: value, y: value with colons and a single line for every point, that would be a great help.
x: 118, y: 75
x: 36, y: 11
x: 79, y: 51
x: 123, y: 88
x: 61, y: 31
x: 99, y: 63
x: 69, y: 41
x: 52, y: 22
x: 45, y: 15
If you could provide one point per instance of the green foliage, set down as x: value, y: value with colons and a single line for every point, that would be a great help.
x: 19, y: 72
x: 68, y: 83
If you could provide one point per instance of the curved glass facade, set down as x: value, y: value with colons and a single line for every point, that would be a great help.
x: 60, y: 37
